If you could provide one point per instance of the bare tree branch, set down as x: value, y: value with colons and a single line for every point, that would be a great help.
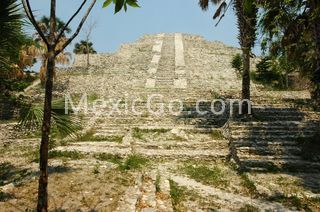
x: 78, y: 29
x: 68, y: 23
x: 28, y: 10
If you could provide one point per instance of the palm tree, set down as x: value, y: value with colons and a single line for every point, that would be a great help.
x: 315, y: 8
x: 11, y: 36
x: 295, y: 35
x: 44, y: 23
x: 84, y: 47
x: 246, y: 11
x: 64, y: 58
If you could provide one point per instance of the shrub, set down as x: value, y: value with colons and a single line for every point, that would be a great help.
x: 236, y: 63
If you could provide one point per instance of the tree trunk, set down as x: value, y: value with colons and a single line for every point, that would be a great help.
x: 46, y: 125
x: 246, y: 79
x: 88, y: 54
x: 315, y: 6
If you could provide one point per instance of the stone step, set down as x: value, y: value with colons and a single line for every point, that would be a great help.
x: 279, y: 158
x: 164, y: 202
x: 161, y: 126
x: 291, y: 165
x: 270, y: 137
x: 183, y: 145
x: 270, y: 151
x: 273, y: 127
x: 266, y: 133
x: 274, y: 123
x: 209, y: 155
x: 200, y: 123
x: 250, y: 143
x: 131, y: 196
x: 274, y: 109
x: 148, y: 199
x: 125, y: 150
x: 279, y: 117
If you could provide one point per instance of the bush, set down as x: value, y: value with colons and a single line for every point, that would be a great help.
x: 236, y: 63
x: 272, y: 73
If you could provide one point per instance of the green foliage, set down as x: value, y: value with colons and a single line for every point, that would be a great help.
x: 248, y: 184
x: 45, y: 25
x: 237, y: 64
x: 288, y: 30
x: 119, y: 4
x: 207, y: 175
x: 11, y: 37
x: 158, y: 181
x: 66, y: 154
x: 109, y: 157
x: 84, y: 47
x: 89, y: 136
x: 272, y: 72
x: 177, y: 194
x: 63, y: 125
x: 292, y: 201
x: 96, y: 169
x: 248, y: 208
x: 217, y: 135
x: 133, y: 162
x: 138, y: 133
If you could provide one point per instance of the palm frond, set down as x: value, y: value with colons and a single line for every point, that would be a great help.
x: 66, y: 124
x: 222, y: 7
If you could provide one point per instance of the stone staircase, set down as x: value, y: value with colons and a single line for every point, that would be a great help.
x: 270, y: 142
x: 150, y: 193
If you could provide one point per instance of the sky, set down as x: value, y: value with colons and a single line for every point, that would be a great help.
x: 153, y: 17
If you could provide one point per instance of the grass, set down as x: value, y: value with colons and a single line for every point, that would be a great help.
x: 138, y: 133
x: 248, y: 184
x: 178, y: 194
x: 294, y: 201
x: 96, y: 169
x: 109, y: 157
x: 217, y: 135
x: 132, y: 162
x: 179, y: 138
x: 206, y: 175
x: 89, y: 136
x: 248, y: 208
x: 66, y: 154
x: 158, y: 180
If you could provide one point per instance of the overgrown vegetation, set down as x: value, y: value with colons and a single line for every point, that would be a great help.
x: 62, y: 124
x: 177, y: 195
x: 139, y: 133
x: 90, y: 136
x: 248, y: 184
x: 249, y: 208
x: 132, y: 162
x: 217, y: 135
x: 206, y: 175
x: 158, y: 180
x: 74, y: 155
x: 237, y: 64
x: 272, y: 73
x: 293, y: 201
